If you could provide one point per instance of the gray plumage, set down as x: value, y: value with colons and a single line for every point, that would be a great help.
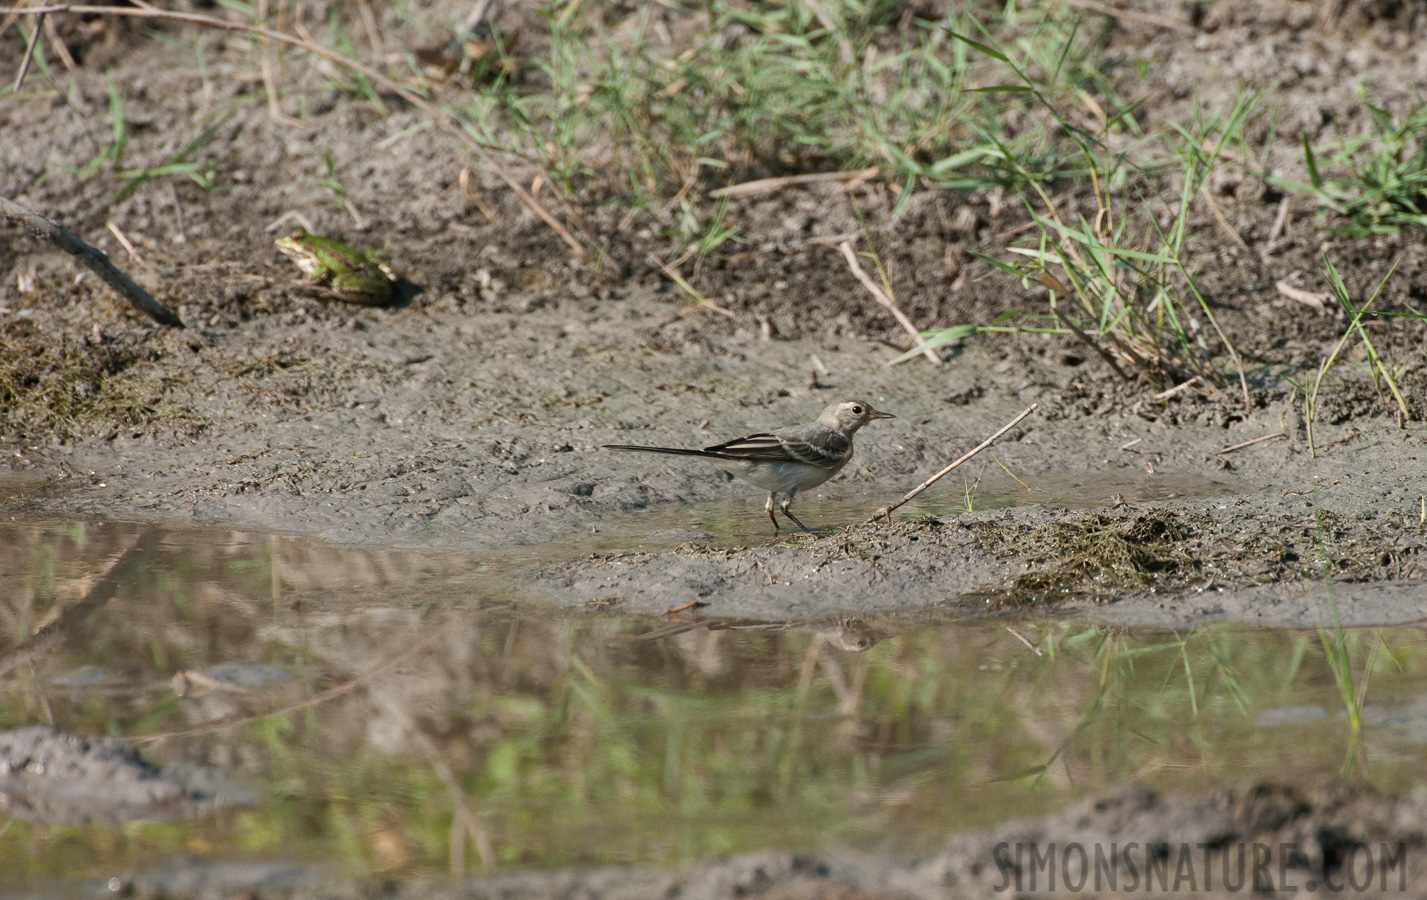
x: 787, y: 460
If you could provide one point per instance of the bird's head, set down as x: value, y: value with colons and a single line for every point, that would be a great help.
x: 850, y: 415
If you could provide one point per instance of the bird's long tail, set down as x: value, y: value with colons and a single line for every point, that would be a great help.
x: 672, y: 451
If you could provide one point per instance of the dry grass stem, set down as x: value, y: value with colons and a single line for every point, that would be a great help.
x: 845, y: 52
x: 886, y: 511
x: 465, y: 821
x: 689, y: 288
x: 29, y: 55
x: 1024, y: 640
x: 476, y: 16
x: 772, y: 185
x: 1219, y: 217
x: 123, y: 239
x: 1280, y: 221
x: 1029, y: 489
x: 57, y: 44
x: 1318, y: 302
x: 1165, y: 395
x: 881, y: 297
x: 1257, y: 440
x: 1090, y: 342
x: 93, y: 259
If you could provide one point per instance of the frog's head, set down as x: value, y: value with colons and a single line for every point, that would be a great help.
x: 298, y: 246
x: 293, y: 243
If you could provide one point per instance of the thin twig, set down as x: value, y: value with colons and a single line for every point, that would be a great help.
x: 881, y: 297
x: 93, y: 259
x: 29, y: 54
x: 1165, y: 395
x: 130, y: 563
x: 1318, y: 302
x: 1229, y: 230
x: 1092, y: 344
x: 58, y: 46
x: 689, y: 288
x: 692, y: 604
x: 1024, y: 640
x: 1280, y: 221
x: 1257, y: 440
x: 770, y: 185
x: 886, y: 511
x: 410, y: 96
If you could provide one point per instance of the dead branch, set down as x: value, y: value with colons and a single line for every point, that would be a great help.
x: 97, y: 261
x: 886, y: 511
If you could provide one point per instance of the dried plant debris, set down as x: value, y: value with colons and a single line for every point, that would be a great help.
x: 66, y: 388
x: 1105, y: 555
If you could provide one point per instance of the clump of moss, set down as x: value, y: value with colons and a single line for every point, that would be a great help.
x: 69, y: 388
x: 1102, y: 556
x: 1098, y: 556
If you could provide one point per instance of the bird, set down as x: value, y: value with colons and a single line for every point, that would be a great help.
x: 787, y: 460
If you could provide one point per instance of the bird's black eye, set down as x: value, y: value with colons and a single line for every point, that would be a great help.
x: 857, y: 410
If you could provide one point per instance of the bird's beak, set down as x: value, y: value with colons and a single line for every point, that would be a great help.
x: 881, y: 415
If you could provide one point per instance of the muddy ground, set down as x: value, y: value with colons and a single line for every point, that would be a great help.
x: 471, y: 417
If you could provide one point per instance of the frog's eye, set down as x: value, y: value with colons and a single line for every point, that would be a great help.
x: 857, y: 410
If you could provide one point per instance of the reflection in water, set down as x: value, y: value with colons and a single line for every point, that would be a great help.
x: 64, y: 779
x: 392, y: 718
x: 844, y: 632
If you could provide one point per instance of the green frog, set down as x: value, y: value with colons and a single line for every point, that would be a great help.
x: 339, y: 271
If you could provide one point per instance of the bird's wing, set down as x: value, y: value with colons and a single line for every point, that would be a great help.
x: 821, y: 447
x: 754, y: 448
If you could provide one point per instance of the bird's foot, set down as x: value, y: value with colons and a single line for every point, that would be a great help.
x: 795, y: 521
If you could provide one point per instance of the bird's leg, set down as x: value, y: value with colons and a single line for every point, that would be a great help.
x: 784, y: 505
x: 773, y: 495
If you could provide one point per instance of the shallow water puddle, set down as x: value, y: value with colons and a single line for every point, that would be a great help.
x: 375, y: 710
x: 740, y: 520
